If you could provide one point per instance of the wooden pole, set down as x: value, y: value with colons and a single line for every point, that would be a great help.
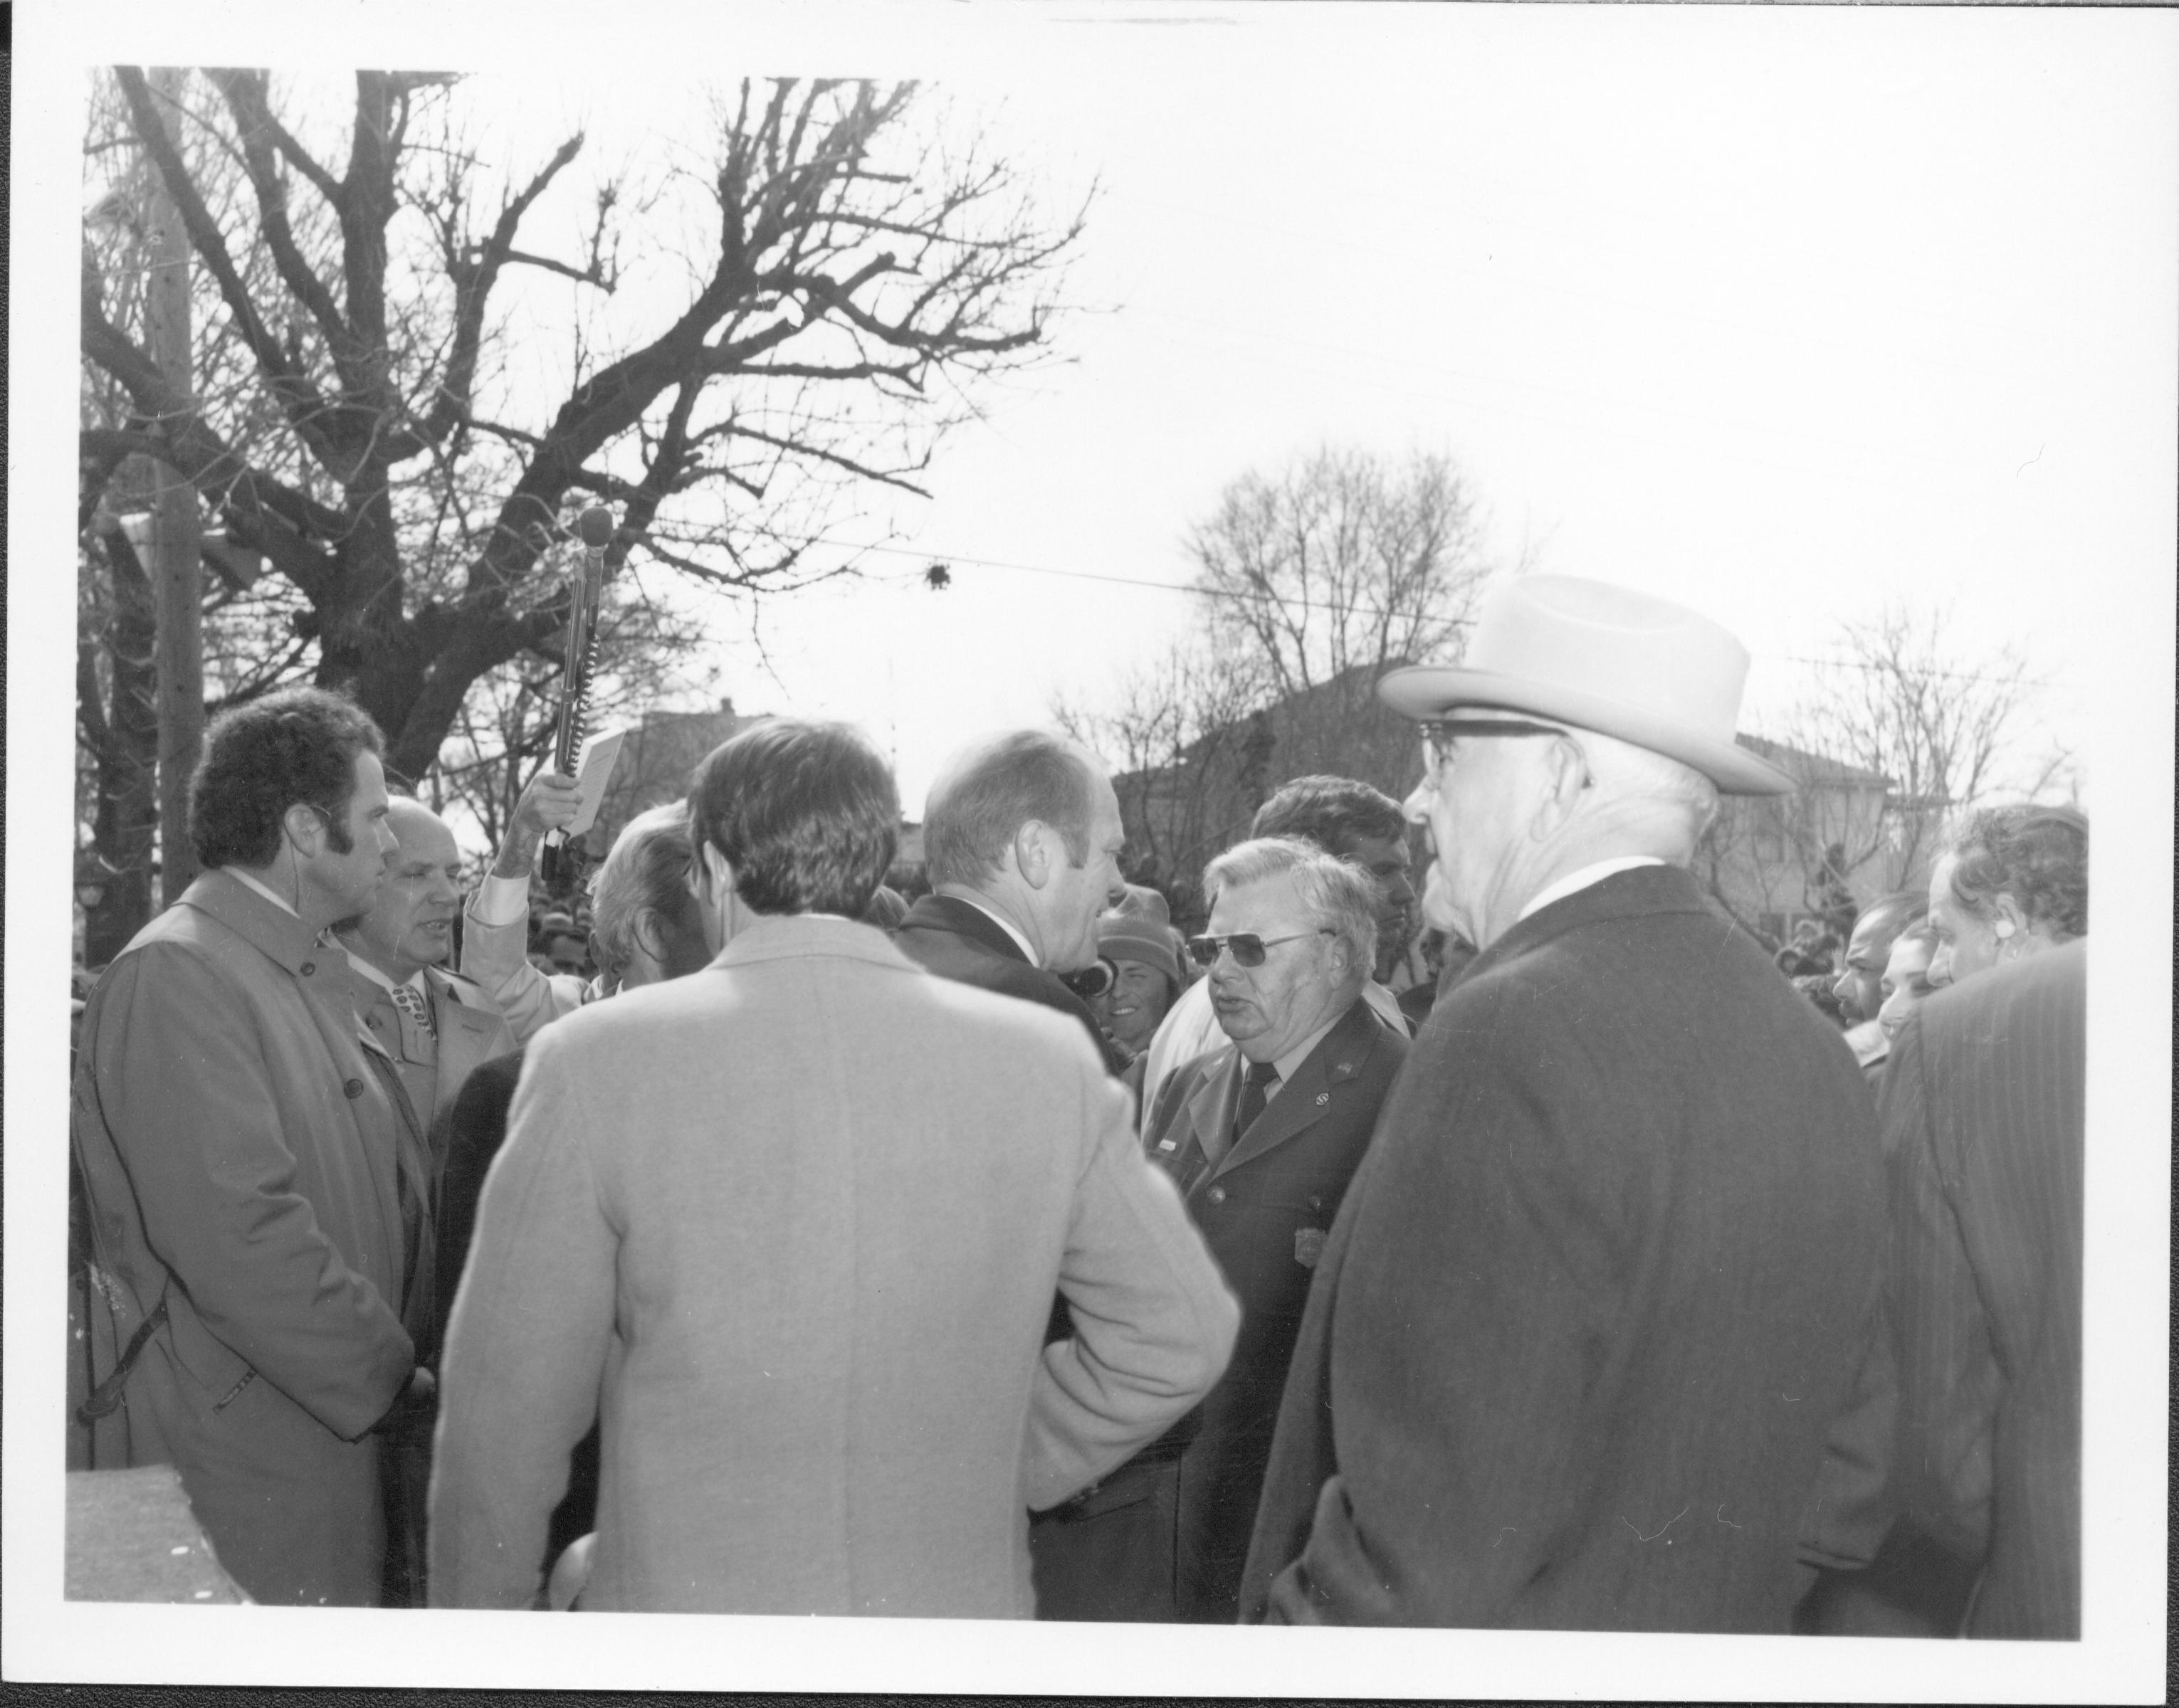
x: 177, y: 546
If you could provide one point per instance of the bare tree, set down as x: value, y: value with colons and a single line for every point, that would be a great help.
x: 855, y: 267
x: 1901, y: 736
x: 1341, y: 565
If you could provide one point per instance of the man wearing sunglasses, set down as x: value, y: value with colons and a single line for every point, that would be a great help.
x: 1609, y: 1269
x: 1343, y: 817
x: 1262, y: 1136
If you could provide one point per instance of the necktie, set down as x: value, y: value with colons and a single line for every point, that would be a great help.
x: 410, y: 1001
x: 1255, y: 1091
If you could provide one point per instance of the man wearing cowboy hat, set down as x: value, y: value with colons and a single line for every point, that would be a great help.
x: 1610, y: 1265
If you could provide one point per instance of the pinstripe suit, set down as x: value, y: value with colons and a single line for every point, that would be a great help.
x: 1982, y: 1112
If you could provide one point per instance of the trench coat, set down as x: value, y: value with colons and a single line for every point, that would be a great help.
x: 241, y: 1153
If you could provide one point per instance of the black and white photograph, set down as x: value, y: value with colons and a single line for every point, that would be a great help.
x: 1001, y: 848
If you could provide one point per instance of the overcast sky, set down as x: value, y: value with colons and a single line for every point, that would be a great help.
x: 1780, y: 312
x: 1820, y: 309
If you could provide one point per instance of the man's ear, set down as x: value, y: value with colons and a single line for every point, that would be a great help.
x: 650, y: 934
x: 1033, y: 852
x: 1566, y: 773
x: 2008, y: 919
x: 304, y: 829
x: 718, y: 876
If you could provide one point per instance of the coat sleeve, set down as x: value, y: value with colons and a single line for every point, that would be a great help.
x: 187, y: 1094
x: 1949, y: 1379
x: 1154, y: 1324
x: 526, y: 1345
x: 497, y: 957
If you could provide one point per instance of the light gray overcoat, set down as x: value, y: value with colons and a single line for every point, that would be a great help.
x: 795, y: 1222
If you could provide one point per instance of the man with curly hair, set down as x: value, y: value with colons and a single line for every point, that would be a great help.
x: 256, y: 1184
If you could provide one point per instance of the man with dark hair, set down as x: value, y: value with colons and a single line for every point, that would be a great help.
x: 730, y: 1220
x: 2015, y: 882
x: 1859, y: 985
x: 1346, y: 818
x: 257, y: 1189
x: 1022, y: 838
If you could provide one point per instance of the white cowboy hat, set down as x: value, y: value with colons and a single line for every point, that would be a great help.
x: 1606, y: 659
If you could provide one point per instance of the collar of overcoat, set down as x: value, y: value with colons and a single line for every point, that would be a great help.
x: 1638, y: 891
x: 795, y: 936
x: 965, y: 919
x: 1340, y: 1056
x: 278, y: 934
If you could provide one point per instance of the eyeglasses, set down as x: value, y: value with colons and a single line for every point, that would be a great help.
x: 1439, y: 733
x: 1247, y: 948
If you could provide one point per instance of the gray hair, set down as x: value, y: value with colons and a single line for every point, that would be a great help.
x: 988, y: 792
x: 1337, y: 893
x: 647, y: 868
x: 1625, y: 772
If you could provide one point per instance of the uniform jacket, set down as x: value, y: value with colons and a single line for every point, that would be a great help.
x: 957, y: 939
x: 1984, y: 1108
x: 239, y: 1152
x: 1596, y: 1296
x: 1265, y: 1209
x: 795, y: 1222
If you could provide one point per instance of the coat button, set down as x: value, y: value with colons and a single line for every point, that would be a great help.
x: 354, y: 1088
x: 310, y: 967
x: 1216, y: 1195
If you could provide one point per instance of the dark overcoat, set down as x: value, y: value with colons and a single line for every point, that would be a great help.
x: 1600, y: 1286
x: 957, y: 939
x: 1983, y: 1109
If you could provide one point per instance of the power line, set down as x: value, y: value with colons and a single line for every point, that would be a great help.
x: 943, y: 559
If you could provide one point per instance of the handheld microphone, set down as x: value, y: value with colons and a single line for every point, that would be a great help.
x: 595, y: 527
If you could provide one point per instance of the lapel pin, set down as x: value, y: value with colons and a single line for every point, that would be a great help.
x: 1323, y: 1097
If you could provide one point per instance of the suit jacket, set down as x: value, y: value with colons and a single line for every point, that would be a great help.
x: 957, y: 939
x: 1984, y: 1106
x: 471, y: 1031
x: 1603, y: 1281
x: 241, y: 1153
x: 1265, y: 1209
x: 793, y: 1224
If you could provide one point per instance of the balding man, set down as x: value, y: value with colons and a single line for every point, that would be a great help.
x: 1022, y: 838
x: 437, y: 1028
x: 437, y: 1025
x: 1610, y: 1265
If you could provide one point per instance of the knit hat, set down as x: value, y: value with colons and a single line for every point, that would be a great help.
x: 1129, y: 937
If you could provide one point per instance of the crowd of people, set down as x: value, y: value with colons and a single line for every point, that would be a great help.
x: 760, y: 1241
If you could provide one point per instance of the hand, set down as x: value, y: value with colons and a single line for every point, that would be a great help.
x: 548, y: 803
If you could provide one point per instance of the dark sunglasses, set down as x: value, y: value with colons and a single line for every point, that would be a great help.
x: 1247, y: 948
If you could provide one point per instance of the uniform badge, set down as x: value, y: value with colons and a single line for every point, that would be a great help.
x: 1309, y: 1246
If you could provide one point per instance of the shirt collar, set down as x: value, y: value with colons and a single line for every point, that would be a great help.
x: 1581, y: 878
x: 415, y: 980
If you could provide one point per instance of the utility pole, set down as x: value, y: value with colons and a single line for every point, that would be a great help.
x: 177, y: 546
